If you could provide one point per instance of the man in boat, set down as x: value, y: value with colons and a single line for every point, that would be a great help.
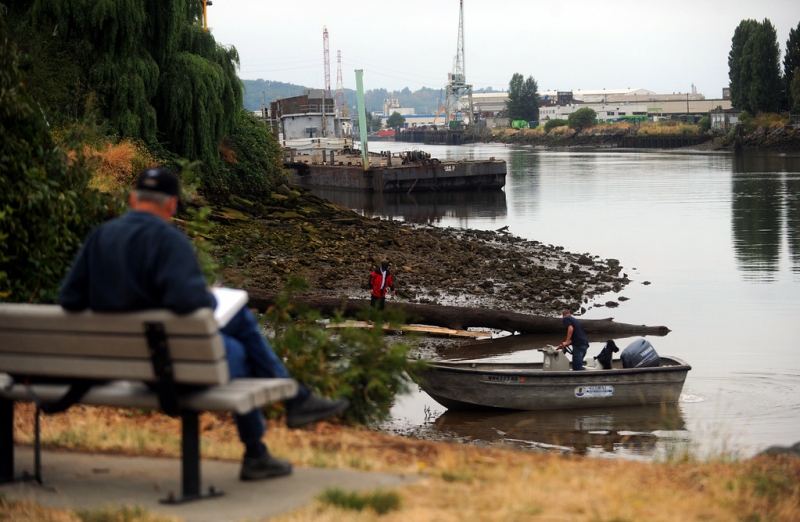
x: 576, y: 337
x: 380, y: 279
x: 140, y: 261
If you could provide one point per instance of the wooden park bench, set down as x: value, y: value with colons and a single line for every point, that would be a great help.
x: 152, y: 359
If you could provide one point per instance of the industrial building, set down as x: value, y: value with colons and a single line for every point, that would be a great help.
x: 609, y: 104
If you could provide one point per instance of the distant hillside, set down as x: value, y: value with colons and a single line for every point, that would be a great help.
x: 424, y: 100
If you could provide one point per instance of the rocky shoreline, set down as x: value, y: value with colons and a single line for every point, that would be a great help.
x: 783, y: 139
x: 296, y: 233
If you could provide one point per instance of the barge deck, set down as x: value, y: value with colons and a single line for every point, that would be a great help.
x: 413, y: 171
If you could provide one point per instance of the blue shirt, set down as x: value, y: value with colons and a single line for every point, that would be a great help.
x: 136, y: 262
x: 578, y: 336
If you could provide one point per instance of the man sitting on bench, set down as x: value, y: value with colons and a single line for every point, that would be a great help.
x: 139, y: 262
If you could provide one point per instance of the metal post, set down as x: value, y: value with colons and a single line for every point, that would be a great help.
x: 190, y: 454
x: 362, y: 118
x: 6, y: 440
x: 37, y: 447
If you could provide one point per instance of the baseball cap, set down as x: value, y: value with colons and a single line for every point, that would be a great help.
x: 158, y: 179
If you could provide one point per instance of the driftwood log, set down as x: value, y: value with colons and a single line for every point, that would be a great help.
x: 458, y: 317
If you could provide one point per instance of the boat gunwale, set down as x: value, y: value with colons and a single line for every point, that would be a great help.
x: 682, y: 366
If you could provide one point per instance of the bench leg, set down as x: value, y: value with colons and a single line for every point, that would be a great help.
x: 190, y: 462
x: 6, y: 440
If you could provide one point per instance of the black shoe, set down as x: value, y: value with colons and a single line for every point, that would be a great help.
x: 265, y: 466
x: 314, y: 409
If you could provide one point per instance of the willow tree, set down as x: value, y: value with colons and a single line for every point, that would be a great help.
x: 154, y: 73
x: 199, y: 95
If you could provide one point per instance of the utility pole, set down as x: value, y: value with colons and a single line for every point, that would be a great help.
x: 362, y: 118
x: 206, y: 3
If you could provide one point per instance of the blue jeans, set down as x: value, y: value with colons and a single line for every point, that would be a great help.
x: 249, y: 354
x: 578, y: 354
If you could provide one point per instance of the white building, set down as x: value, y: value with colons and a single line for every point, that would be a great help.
x: 605, y: 112
x: 392, y: 105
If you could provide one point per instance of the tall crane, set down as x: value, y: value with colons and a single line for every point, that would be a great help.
x: 458, y: 94
x: 342, y: 110
x: 327, y: 62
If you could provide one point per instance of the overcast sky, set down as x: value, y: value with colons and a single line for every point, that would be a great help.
x: 662, y: 46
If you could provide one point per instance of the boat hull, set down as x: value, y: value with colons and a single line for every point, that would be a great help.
x: 528, y: 387
x: 415, y: 177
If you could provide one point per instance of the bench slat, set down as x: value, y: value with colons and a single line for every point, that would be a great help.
x: 189, y: 348
x: 39, y: 317
x: 215, y: 372
x: 239, y: 395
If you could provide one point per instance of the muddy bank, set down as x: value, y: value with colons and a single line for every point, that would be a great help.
x: 297, y: 233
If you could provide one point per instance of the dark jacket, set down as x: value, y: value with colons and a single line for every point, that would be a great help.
x: 136, y: 262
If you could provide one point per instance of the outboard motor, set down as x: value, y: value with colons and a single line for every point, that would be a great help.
x: 640, y: 354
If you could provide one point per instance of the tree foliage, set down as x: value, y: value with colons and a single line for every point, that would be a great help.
x: 523, y: 99
x: 46, y: 207
x: 791, y: 61
x: 148, y: 67
x: 736, y: 59
x: 795, y: 90
x: 395, y: 120
x: 251, y: 160
x: 582, y: 118
x: 754, y: 67
x: 552, y: 124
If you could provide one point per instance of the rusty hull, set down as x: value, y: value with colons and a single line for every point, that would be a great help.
x: 413, y: 177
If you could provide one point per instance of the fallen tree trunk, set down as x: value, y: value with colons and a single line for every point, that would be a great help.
x: 457, y: 317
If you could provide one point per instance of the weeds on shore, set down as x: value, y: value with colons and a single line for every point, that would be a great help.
x: 380, y: 501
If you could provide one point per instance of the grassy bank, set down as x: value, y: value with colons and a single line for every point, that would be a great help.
x: 760, y: 132
x: 458, y: 482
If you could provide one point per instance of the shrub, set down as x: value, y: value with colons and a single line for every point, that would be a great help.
x: 704, y: 124
x: 46, y: 206
x: 552, y: 124
x: 251, y: 164
x: 582, y: 118
x: 353, y: 363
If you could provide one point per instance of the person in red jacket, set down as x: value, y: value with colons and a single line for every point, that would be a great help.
x: 379, y: 280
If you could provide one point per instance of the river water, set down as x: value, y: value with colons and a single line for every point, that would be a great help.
x: 712, y: 245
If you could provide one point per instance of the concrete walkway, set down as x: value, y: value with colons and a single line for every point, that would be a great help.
x: 86, y: 481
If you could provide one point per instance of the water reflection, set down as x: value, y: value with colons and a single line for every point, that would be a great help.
x: 793, y: 220
x: 634, y: 431
x: 421, y: 207
x: 757, y: 225
x: 764, y: 203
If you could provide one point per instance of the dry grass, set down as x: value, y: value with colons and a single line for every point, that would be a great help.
x: 563, y: 131
x: 667, y: 128
x: 767, y: 122
x: 460, y: 482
